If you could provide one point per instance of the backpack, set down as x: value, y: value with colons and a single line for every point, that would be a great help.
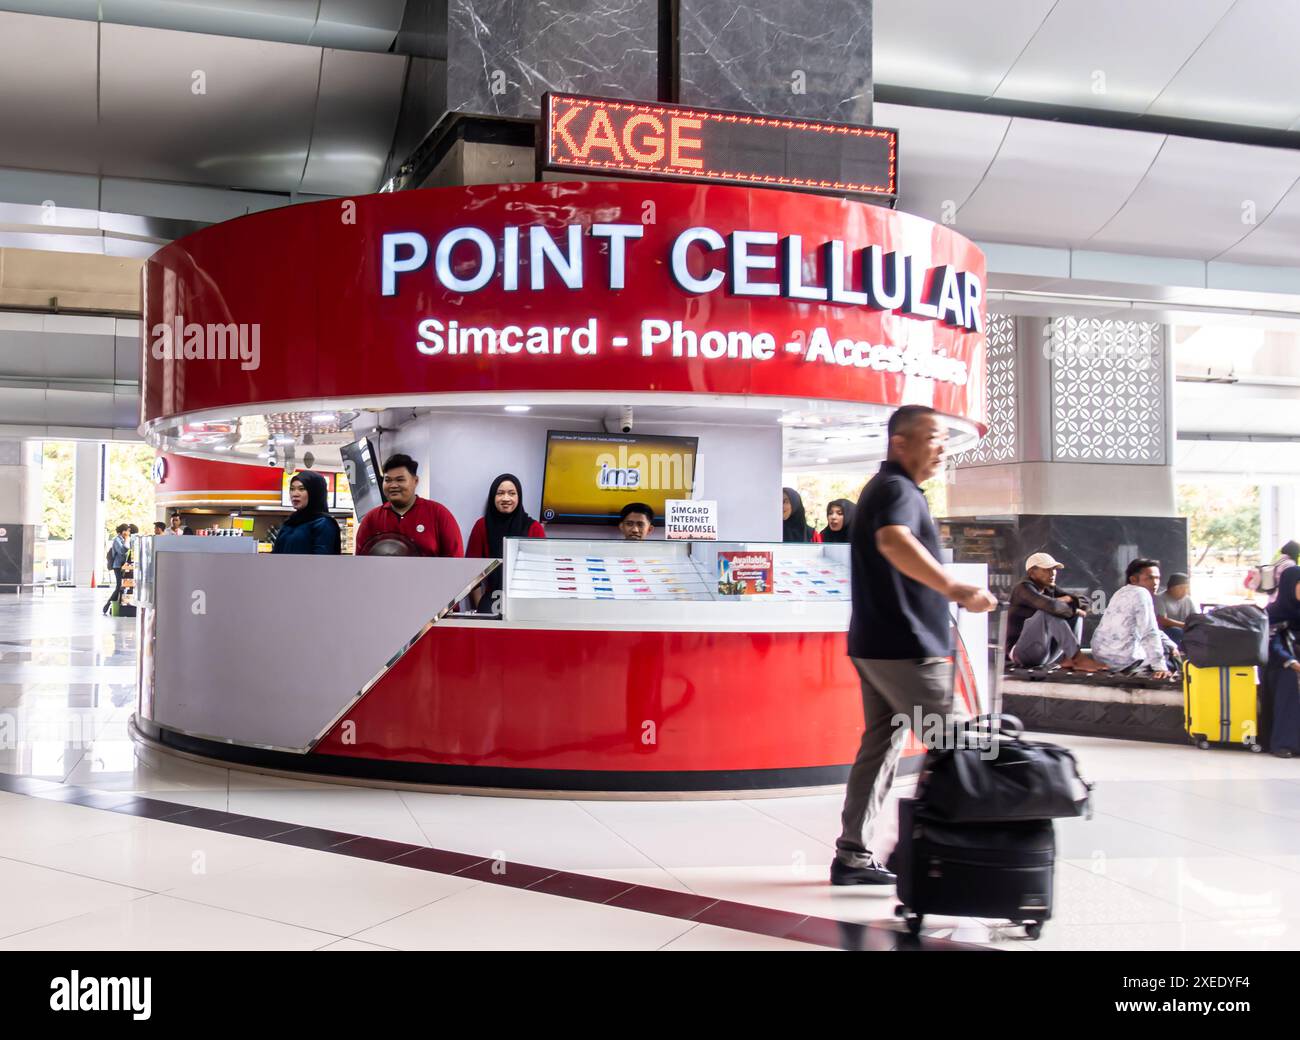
x: 1264, y: 578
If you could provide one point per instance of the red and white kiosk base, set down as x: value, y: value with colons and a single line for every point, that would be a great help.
x: 779, y: 329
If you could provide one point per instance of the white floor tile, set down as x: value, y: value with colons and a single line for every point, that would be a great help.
x: 707, y: 937
x: 368, y: 811
x: 159, y: 922
x: 548, y: 832
x: 493, y: 917
x: 322, y: 890
x: 32, y: 896
x: 703, y: 834
x: 353, y: 946
x: 156, y: 856
x: 28, y: 823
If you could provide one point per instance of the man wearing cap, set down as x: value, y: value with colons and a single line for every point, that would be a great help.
x: 1174, y: 606
x: 1043, y: 628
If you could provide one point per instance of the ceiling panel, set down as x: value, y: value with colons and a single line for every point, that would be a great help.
x: 1198, y: 197
x: 1111, y: 54
x: 249, y: 125
x: 287, y: 21
x: 369, y: 25
x: 1246, y: 71
x: 47, y: 79
x: 1243, y: 460
x: 1056, y: 183
x: 941, y: 45
x: 1276, y: 239
x: 942, y: 155
x: 359, y: 98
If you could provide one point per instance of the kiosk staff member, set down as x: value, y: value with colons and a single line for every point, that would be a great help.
x: 407, y: 525
x: 503, y: 517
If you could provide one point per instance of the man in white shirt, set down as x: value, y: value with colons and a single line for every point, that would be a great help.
x: 1129, y: 633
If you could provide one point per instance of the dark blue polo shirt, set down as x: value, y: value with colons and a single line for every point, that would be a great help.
x: 894, y: 617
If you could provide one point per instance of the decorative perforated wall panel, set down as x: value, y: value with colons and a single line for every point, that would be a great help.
x: 1001, y: 443
x: 1108, y: 391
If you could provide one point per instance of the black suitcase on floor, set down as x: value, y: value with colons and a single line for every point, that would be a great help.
x: 973, y: 869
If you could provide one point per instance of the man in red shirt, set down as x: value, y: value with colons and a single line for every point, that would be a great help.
x: 406, y: 521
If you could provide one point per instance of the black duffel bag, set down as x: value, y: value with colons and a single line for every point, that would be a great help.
x: 989, y: 774
x: 1227, y: 637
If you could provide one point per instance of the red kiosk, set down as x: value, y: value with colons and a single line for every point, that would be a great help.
x: 462, y: 325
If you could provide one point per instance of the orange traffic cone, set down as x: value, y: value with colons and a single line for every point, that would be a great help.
x: 92, y: 577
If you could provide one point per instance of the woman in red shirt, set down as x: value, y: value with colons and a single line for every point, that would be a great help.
x: 503, y: 517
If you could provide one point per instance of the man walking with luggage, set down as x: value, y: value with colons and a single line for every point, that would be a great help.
x: 900, y: 636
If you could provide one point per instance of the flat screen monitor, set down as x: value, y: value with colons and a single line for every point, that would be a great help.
x: 361, y: 469
x: 589, y: 477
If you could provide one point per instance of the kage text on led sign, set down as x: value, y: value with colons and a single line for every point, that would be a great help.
x: 602, y: 135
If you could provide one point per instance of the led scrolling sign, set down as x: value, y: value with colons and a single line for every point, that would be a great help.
x: 600, y: 135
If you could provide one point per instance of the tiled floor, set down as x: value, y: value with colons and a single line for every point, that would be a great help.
x: 1187, y: 850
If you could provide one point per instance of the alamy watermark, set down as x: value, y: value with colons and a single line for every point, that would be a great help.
x: 189, y: 341
x: 945, y: 731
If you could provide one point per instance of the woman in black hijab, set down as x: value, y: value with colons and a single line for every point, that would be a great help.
x: 794, y: 525
x: 310, y: 531
x: 1282, y: 675
x: 839, y: 517
x: 503, y: 517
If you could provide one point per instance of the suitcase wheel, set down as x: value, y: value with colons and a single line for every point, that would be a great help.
x: 1033, y: 929
x: 1257, y: 748
x: 1202, y: 743
x: 913, y: 921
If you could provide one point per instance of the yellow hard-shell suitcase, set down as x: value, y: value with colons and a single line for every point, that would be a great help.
x: 1220, y: 706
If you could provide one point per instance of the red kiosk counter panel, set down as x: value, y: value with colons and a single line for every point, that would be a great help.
x: 587, y: 287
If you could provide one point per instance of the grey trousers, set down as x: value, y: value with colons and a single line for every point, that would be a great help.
x: 1046, y: 639
x: 918, y: 691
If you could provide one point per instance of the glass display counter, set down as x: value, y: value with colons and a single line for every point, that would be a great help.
x: 677, y: 584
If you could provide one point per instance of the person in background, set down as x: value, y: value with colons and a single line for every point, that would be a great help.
x: 310, y: 530
x: 1267, y: 578
x: 159, y: 528
x: 1282, y: 674
x: 1174, y: 606
x: 900, y: 632
x: 117, y: 553
x: 134, y: 530
x: 794, y: 524
x: 406, y: 524
x: 503, y: 517
x: 839, y: 518
x: 187, y: 529
x: 1045, y: 628
x: 635, y: 521
x: 1129, y: 634
x: 175, y: 527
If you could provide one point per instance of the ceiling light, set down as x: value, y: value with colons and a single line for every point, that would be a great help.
x: 822, y: 462
x: 519, y: 407
x: 323, y: 418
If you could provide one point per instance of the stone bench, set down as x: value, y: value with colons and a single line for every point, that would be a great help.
x: 1096, y: 705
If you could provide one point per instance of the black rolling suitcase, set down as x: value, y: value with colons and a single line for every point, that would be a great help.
x: 978, y: 841
x: 974, y: 869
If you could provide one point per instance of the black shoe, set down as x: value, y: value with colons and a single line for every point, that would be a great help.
x: 874, y: 874
x: 1283, y: 753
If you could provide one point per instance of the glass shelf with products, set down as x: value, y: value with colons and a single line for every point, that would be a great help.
x: 597, y: 580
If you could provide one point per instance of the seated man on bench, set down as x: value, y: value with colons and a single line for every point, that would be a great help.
x: 1045, y: 629
x: 1129, y: 636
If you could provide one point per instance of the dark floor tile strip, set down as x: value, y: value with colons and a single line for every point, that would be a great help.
x: 686, y: 906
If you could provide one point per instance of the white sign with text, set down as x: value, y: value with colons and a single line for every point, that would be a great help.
x: 687, y: 518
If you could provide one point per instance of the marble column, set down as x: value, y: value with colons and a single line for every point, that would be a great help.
x: 502, y: 55
x: 777, y: 57
x: 88, y: 513
x: 1078, y: 459
x: 20, y: 510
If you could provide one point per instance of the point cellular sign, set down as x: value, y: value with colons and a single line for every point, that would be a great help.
x: 606, y: 287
